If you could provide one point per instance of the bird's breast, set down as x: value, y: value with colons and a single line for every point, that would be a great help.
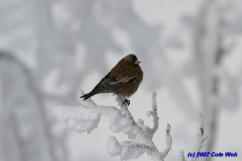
x: 131, y: 87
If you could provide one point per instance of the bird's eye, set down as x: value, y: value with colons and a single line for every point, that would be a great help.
x: 137, y: 62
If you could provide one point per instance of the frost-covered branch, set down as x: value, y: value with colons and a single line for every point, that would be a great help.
x: 168, y: 141
x: 200, y: 141
x: 86, y: 116
x: 153, y: 113
x: 133, y: 149
x: 130, y: 149
x: 201, y: 137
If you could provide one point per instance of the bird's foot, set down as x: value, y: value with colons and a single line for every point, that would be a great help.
x: 126, y: 101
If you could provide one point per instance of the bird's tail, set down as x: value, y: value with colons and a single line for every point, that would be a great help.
x: 88, y: 95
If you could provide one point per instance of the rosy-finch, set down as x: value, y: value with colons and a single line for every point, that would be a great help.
x: 124, y: 79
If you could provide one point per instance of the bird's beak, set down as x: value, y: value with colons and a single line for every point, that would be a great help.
x: 137, y: 62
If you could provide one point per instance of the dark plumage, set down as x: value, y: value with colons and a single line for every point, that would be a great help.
x: 124, y: 79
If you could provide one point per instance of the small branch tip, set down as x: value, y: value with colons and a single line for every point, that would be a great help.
x: 168, y: 129
x: 154, y: 94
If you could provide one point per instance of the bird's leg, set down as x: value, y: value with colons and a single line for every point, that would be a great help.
x: 126, y: 101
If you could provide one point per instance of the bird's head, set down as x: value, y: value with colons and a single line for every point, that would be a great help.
x: 132, y: 59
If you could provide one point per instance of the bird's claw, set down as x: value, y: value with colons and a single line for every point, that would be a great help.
x: 126, y: 101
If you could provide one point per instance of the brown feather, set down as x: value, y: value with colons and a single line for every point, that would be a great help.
x: 124, y: 69
x: 123, y: 79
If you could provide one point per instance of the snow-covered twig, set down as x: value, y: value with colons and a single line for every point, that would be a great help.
x: 144, y: 138
x: 200, y: 144
x: 201, y: 137
x: 153, y: 113
x: 130, y: 149
x: 168, y: 141
x: 87, y: 115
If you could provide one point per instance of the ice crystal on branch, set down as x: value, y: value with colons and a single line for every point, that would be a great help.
x: 86, y: 116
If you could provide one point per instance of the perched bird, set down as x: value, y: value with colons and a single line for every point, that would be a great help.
x: 123, y: 79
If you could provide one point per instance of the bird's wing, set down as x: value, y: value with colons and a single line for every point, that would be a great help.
x: 123, y: 80
x: 108, y: 84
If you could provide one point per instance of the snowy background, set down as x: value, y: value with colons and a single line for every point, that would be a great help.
x: 51, y: 50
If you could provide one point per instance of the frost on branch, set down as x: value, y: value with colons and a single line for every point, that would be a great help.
x: 79, y: 119
x: 201, y: 138
x: 132, y: 149
x: 86, y: 116
x: 128, y: 149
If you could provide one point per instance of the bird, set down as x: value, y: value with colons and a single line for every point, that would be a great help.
x: 123, y: 79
